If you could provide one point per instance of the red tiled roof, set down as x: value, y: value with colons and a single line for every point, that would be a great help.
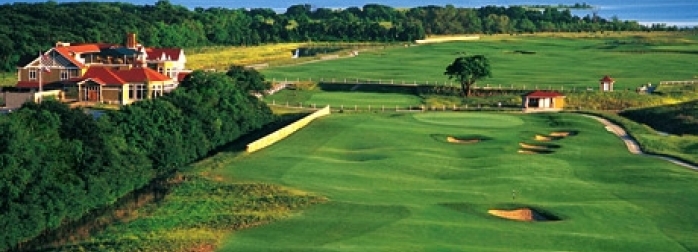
x: 106, y: 75
x: 543, y: 94
x: 27, y: 84
x: 141, y: 74
x: 156, y: 53
x: 607, y: 79
x: 182, y: 75
x: 65, y: 52
x: 83, y: 48
x: 96, y: 80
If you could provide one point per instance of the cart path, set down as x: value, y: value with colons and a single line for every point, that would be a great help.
x: 633, y: 146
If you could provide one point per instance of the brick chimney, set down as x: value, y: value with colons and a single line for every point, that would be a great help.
x: 131, y: 40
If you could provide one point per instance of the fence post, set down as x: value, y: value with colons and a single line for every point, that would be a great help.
x: 356, y: 108
x: 369, y: 108
x: 382, y: 107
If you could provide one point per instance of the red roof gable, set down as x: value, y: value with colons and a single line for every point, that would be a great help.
x: 141, y: 74
x: 65, y: 52
x: 170, y: 53
x: 106, y: 75
x: 606, y: 79
x: 543, y: 94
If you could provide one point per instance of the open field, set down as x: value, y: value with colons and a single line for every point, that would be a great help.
x: 221, y: 58
x: 395, y: 183
x: 550, y: 61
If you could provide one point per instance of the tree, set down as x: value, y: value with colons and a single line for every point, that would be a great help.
x: 467, y: 70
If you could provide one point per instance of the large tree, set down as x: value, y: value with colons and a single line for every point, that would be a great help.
x: 467, y: 70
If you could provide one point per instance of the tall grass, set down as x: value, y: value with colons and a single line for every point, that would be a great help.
x: 196, y: 215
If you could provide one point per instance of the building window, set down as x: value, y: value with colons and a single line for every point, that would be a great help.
x: 74, y: 73
x: 160, y: 69
x: 64, y: 75
x: 32, y: 74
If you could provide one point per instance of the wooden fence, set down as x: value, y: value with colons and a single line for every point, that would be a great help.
x: 686, y: 82
x: 359, y: 81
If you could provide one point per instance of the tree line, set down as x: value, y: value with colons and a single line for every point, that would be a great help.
x: 26, y: 28
x: 58, y: 164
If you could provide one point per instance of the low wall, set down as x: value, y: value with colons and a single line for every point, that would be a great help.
x: 286, y: 131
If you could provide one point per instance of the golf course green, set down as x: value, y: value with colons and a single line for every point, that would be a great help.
x: 394, y: 183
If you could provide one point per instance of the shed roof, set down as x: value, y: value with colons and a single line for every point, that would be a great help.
x: 607, y: 79
x: 543, y: 94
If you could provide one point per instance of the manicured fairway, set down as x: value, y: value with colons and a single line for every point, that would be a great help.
x: 348, y: 99
x: 395, y: 184
x: 549, y: 62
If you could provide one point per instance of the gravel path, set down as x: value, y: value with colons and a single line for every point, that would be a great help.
x: 633, y: 146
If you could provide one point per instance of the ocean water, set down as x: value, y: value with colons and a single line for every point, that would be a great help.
x: 683, y: 13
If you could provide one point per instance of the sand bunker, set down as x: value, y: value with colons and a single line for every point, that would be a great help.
x: 563, y: 133
x: 522, y: 214
x: 536, y: 146
x: 546, y: 138
x: 555, y: 135
x: 451, y: 139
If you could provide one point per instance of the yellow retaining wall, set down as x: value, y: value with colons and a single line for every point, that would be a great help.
x: 286, y: 131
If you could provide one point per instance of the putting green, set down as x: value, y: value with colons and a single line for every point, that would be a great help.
x: 395, y: 184
x: 480, y: 120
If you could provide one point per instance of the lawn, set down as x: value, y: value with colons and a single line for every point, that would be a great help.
x: 394, y: 183
x: 550, y: 62
x: 346, y: 99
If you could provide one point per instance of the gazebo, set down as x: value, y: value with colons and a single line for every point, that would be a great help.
x: 542, y: 101
x: 606, y: 84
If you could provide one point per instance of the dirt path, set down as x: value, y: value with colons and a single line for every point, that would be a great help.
x: 633, y: 146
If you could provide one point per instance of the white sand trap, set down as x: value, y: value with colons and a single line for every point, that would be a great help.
x: 451, y: 139
x: 562, y: 133
x: 533, y: 147
x: 545, y: 138
x: 522, y: 214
